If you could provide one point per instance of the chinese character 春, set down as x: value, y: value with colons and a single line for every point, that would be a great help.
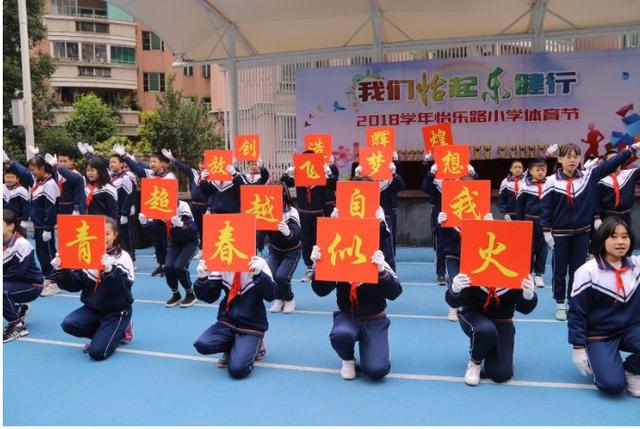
x: 248, y: 147
x: 357, y: 204
x: 451, y: 163
x: 438, y: 138
x: 82, y: 241
x: 225, y: 250
x: 375, y: 161
x: 263, y: 209
x: 497, y: 92
x: 380, y: 138
x: 464, y: 203
x: 216, y: 166
x: 487, y: 257
x: 159, y: 200
x: 353, y: 250
x: 309, y: 170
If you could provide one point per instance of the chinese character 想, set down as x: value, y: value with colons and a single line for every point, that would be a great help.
x: 451, y: 163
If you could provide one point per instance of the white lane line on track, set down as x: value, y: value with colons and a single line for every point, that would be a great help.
x: 305, y: 368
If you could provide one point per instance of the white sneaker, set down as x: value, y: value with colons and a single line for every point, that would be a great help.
x: 633, y: 384
x: 561, y: 312
x: 289, y: 306
x: 453, y: 314
x: 49, y: 289
x: 472, y: 375
x: 276, y: 307
x: 538, y: 281
x: 348, y: 370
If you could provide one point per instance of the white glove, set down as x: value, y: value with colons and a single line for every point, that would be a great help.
x: 590, y: 164
x: 24, y: 224
x: 284, y: 229
x: 119, y: 149
x: 552, y: 150
x: 548, y: 237
x: 259, y: 162
x: 527, y: 288
x: 52, y: 160
x: 35, y: 150
x: 332, y: 160
x: 55, y: 262
x: 434, y: 169
x: 335, y: 212
x: 289, y: 171
x: 581, y: 361
x: 395, y: 156
x: 471, y: 170
x: 315, y: 254
x: 201, y: 270
x: 107, y: 262
x: 428, y: 157
x: 358, y: 171
x: 46, y: 236
x: 177, y: 221
x: 507, y: 217
x: 75, y: 212
x: 124, y: 220
x: 230, y: 169
x: 5, y: 157
x: 256, y: 265
x: 461, y: 281
x: 635, y: 146
x: 380, y: 214
x: 167, y: 154
x: 327, y: 171
x: 204, y: 174
x: 143, y: 219
x: 442, y: 217
x: 392, y: 167
x: 90, y: 148
x: 378, y: 259
x: 488, y: 216
x: 597, y: 223
x: 82, y: 148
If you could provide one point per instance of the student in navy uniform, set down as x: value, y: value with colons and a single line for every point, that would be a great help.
x: 361, y: 318
x: 21, y: 277
x: 569, y: 205
x: 285, y: 250
x: 183, y: 246
x: 617, y: 191
x: 45, y: 195
x: 509, y: 189
x: 15, y: 196
x: 224, y: 195
x: 101, y: 196
x: 529, y: 207
x: 433, y: 187
x: 389, y: 198
x: 71, y: 183
x: 242, y: 318
x: 158, y: 165
x: 105, y: 315
x: 604, y: 311
x: 257, y: 175
x: 332, y: 187
x: 486, y: 317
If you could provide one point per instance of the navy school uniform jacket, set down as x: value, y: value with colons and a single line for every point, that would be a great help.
x: 509, y: 189
x: 626, y: 181
x: 24, y: 175
x: 257, y: 179
x: 332, y: 186
x: 112, y: 293
x: 433, y: 187
x: 125, y: 189
x: 72, y: 195
x: 19, y: 263
x: 224, y: 195
x: 389, y: 193
x: 563, y: 217
x: 103, y: 202
x: 314, y: 199
x: 282, y: 243
x: 371, y: 298
x: 197, y: 186
x: 246, y: 310
x: 140, y: 170
x: 188, y: 233
x: 16, y: 199
x: 529, y: 200
x: 597, y: 307
x: 499, y: 304
x: 44, y: 203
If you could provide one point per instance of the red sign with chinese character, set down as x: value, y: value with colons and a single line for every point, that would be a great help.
x: 381, y: 137
x: 375, y: 163
x: 452, y: 161
x: 229, y: 241
x: 496, y: 253
x: 436, y: 135
x: 319, y: 143
x: 357, y: 199
x: 247, y: 147
x: 216, y: 161
x: 265, y: 203
x: 465, y: 199
x: 159, y: 198
x: 346, y: 246
x: 81, y: 241
x: 309, y: 169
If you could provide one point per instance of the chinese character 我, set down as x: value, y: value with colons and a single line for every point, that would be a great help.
x: 464, y: 203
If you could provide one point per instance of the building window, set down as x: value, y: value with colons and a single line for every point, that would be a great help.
x: 92, y: 27
x: 286, y: 134
x: 207, y: 102
x: 151, y: 42
x: 287, y: 73
x: 94, y: 53
x: 88, y: 12
x: 66, y: 51
x: 153, y: 82
x: 123, y: 55
x: 94, y: 72
x: 206, y: 71
x: 187, y: 71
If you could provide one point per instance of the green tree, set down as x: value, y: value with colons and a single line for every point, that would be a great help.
x: 91, y: 120
x: 105, y: 148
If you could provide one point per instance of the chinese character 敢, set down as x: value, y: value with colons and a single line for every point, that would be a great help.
x: 225, y: 250
x: 451, y: 163
x: 159, y: 200
x: 380, y: 138
x: 82, y: 241
x: 375, y: 161
x: 309, y: 170
x: 464, y: 203
x: 248, y: 147
x: 263, y: 209
x: 487, y: 257
x: 357, y: 204
x: 353, y: 250
x: 495, y: 86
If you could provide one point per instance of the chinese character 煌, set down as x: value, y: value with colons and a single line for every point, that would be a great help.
x: 438, y: 138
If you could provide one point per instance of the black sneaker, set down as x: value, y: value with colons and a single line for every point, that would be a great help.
x: 158, y: 272
x: 25, y: 310
x: 13, y: 332
x: 307, y: 276
x: 173, y: 301
x: 442, y: 281
x: 262, y: 351
x: 188, y: 300
x: 223, y: 361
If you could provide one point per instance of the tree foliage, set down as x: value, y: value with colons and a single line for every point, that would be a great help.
x: 91, y: 120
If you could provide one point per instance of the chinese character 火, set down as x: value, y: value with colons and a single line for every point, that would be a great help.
x: 487, y: 257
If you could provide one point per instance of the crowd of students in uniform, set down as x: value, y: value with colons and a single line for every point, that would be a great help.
x: 581, y: 213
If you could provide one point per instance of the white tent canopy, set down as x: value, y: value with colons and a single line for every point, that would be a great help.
x: 215, y: 30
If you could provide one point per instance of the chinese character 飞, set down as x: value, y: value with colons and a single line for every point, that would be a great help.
x: 309, y: 170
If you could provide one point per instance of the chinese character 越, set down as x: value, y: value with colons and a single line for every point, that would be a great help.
x: 357, y: 204
x: 494, y: 84
x: 375, y: 161
x: 225, y: 250
x: 263, y: 209
x: 82, y: 241
x: 353, y: 250
x: 248, y: 147
x: 488, y: 254
x: 309, y: 170
x: 451, y: 163
x: 159, y: 200
x: 380, y: 138
x: 464, y: 203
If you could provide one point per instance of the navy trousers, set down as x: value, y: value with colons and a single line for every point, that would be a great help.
x: 491, y: 342
x: 176, y: 268
x: 452, y: 264
x: 309, y: 227
x: 539, y: 250
x: 242, y: 347
x: 126, y: 238
x: 45, y: 251
x: 391, y: 219
x: 104, y: 329
x: 372, y: 337
x: 158, y: 233
x: 282, y: 266
x: 440, y: 256
x: 606, y: 363
x: 198, y: 210
x: 14, y: 294
x: 569, y: 252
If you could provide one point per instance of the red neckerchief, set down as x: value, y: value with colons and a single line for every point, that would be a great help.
x: 233, y: 292
x: 616, y: 188
x: 38, y: 183
x: 570, y: 191
x: 89, y: 197
x: 491, y: 295
x: 353, y: 295
x: 516, y: 185
x: 619, y: 283
x: 308, y: 188
x: 539, y: 185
